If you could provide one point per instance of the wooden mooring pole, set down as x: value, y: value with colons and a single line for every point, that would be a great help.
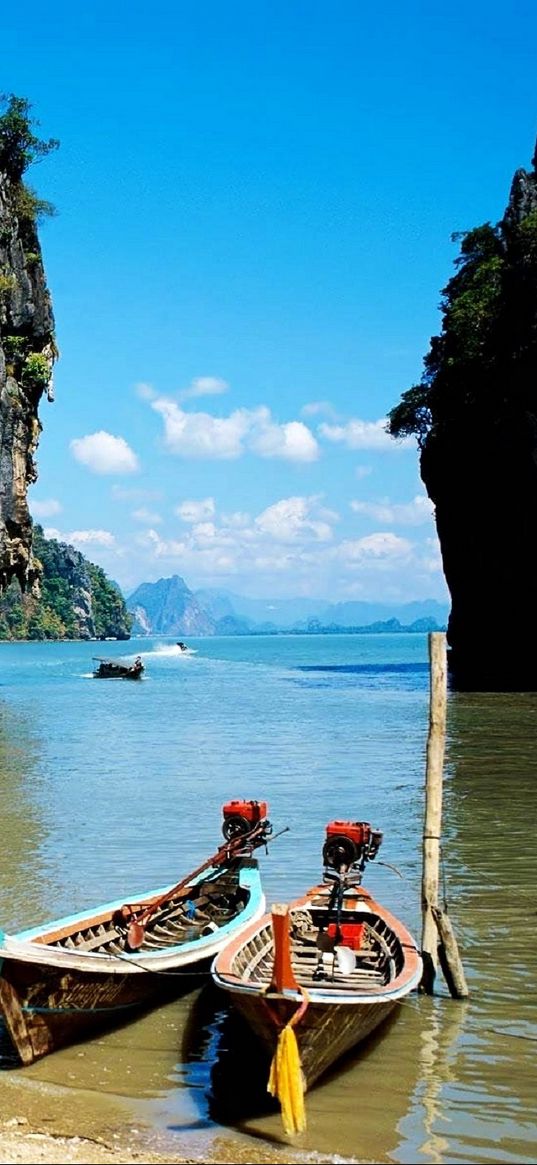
x: 438, y: 938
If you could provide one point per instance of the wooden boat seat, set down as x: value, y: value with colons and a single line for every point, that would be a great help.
x: 181, y: 920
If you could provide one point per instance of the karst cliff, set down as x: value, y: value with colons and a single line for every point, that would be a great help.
x: 27, y: 345
x: 474, y: 414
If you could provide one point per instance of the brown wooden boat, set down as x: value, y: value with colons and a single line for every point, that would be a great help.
x: 67, y: 979
x: 117, y: 669
x: 333, y: 964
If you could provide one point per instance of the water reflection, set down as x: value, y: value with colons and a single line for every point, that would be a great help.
x: 83, y: 815
x: 22, y: 887
x: 478, y: 1080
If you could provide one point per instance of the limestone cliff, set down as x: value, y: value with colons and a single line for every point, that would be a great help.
x: 168, y: 607
x: 27, y: 347
x: 76, y: 600
x: 475, y: 416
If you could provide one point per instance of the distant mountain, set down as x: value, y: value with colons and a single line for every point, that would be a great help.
x: 279, y: 613
x: 168, y: 607
x: 216, y: 604
x: 356, y: 614
x: 390, y: 626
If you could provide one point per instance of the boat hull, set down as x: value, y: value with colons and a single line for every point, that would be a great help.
x: 325, y: 1033
x: 52, y: 995
x: 332, y: 1011
x: 46, y: 1008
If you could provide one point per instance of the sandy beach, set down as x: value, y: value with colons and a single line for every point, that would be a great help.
x: 22, y: 1144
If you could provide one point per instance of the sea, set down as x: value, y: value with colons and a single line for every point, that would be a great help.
x: 109, y: 788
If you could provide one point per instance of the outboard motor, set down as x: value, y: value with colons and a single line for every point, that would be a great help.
x: 349, y: 845
x: 241, y: 816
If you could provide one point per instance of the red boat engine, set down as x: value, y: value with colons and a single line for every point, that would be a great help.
x: 350, y: 843
x: 241, y: 816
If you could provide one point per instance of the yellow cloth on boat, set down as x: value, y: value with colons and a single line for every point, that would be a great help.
x: 286, y: 1082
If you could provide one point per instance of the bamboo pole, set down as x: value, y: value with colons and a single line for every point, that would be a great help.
x: 433, y: 806
x: 438, y: 937
x: 448, y: 953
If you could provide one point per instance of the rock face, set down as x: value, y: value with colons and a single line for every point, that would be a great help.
x: 475, y: 416
x: 76, y: 600
x: 27, y: 353
x: 168, y: 607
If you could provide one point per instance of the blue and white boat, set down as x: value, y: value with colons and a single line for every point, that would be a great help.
x: 67, y: 979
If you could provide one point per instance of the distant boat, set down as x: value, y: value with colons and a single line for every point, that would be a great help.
x: 332, y: 965
x: 116, y: 669
x: 67, y: 979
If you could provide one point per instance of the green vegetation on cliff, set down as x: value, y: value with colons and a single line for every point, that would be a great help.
x: 27, y: 342
x: 482, y: 365
x: 77, y: 600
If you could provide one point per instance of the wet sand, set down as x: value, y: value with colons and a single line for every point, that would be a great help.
x: 21, y: 1144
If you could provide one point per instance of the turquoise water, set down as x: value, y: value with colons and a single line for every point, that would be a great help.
x: 111, y: 788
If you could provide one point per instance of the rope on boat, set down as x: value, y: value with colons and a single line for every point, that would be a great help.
x: 127, y: 958
x: 286, y: 1081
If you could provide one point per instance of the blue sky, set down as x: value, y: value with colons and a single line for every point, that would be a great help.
x: 255, y: 205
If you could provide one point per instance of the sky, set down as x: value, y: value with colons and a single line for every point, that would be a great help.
x: 255, y: 205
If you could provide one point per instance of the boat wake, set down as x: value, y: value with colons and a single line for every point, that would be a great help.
x: 173, y: 650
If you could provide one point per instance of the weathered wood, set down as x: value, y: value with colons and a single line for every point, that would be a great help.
x: 55, y: 988
x: 433, y: 805
x: 283, y: 975
x: 15, y: 1021
x: 448, y: 953
x: 338, y: 1010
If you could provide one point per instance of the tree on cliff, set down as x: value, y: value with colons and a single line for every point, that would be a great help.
x: 27, y: 341
x: 485, y: 358
x: 19, y: 146
x: 474, y: 414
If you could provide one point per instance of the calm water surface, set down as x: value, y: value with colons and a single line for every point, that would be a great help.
x: 109, y: 788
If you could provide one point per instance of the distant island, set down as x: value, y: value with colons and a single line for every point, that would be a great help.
x: 75, y: 600
x: 169, y: 607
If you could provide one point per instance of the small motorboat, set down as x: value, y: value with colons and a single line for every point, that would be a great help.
x: 117, y: 669
x: 314, y: 978
x: 68, y: 979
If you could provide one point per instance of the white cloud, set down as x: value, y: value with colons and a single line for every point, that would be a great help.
x: 292, y: 441
x: 46, y: 508
x: 200, y: 435
x: 432, y: 557
x: 287, y: 549
x: 362, y: 471
x: 316, y: 408
x: 378, y: 548
x: 190, y: 511
x: 205, y: 386
x: 292, y: 519
x: 103, y: 453
x: 90, y: 538
x: 413, y: 513
x: 358, y: 434
x: 237, y: 520
x: 82, y: 537
x: 149, y: 517
x: 145, y: 391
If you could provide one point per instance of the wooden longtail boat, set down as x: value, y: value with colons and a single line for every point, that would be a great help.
x: 116, y: 669
x: 67, y: 979
x: 332, y: 965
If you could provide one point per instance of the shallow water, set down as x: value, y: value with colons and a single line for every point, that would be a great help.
x: 111, y: 787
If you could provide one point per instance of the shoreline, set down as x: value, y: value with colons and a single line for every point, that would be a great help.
x: 23, y: 1144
